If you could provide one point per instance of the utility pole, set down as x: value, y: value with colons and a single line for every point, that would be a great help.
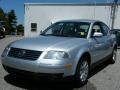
x: 113, y: 12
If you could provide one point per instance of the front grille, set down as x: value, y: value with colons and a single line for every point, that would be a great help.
x: 24, y: 54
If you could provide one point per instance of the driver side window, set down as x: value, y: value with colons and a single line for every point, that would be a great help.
x: 96, y: 28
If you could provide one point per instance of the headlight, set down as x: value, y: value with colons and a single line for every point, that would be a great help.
x: 58, y: 55
x: 6, y: 50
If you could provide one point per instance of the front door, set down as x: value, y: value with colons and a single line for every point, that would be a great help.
x: 98, y: 44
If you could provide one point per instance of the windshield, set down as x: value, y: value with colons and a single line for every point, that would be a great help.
x: 68, y: 29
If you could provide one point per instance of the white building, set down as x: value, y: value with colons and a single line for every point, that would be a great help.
x: 38, y: 16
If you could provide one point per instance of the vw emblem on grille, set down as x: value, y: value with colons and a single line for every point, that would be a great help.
x: 22, y: 52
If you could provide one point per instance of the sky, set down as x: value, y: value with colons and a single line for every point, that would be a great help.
x: 18, y: 5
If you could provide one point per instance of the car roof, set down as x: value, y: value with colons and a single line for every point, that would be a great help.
x: 80, y: 20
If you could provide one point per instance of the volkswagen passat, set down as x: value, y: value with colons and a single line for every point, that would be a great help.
x: 66, y: 48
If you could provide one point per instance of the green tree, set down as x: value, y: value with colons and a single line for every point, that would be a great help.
x: 20, y: 29
x: 2, y: 15
x: 11, y: 20
x: 3, y: 18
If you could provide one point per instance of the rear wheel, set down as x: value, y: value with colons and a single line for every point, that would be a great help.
x: 114, y: 56
x: 82, y: 71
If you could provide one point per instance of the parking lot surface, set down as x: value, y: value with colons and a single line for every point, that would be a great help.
x: 104, y: 77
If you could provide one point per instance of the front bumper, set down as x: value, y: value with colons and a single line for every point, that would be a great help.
x: 35, y: 67
x: 31, y: 74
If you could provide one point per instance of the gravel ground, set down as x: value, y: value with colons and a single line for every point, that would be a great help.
x: 103, y: 77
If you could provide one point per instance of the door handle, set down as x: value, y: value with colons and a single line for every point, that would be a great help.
x: 98, y: 45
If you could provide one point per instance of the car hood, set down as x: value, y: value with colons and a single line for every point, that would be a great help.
x: 43, y: 43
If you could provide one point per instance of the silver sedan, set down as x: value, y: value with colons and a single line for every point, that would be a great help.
x: 66, y: 48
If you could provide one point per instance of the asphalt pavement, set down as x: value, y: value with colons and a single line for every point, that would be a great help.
x: 103, y: 77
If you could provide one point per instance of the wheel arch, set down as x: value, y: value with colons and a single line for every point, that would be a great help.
x: 86, y: 54
x: 79, y: 59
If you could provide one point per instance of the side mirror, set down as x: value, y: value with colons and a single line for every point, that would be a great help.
x: 97, y: 34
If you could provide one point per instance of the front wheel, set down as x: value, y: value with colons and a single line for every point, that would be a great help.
x: 82, y: 71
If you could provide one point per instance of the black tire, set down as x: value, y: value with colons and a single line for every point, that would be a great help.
x: 4, y: 36
x: 113, y: 56
x: 78, y: 80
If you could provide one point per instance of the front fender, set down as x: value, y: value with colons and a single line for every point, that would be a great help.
x: 79, y: 54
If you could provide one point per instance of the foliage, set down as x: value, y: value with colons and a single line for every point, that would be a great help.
x: 20, y: 28
x: 9, y: 21
x: 2, y: 15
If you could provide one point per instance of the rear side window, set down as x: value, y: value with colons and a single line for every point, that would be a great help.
x: 105, y: 28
